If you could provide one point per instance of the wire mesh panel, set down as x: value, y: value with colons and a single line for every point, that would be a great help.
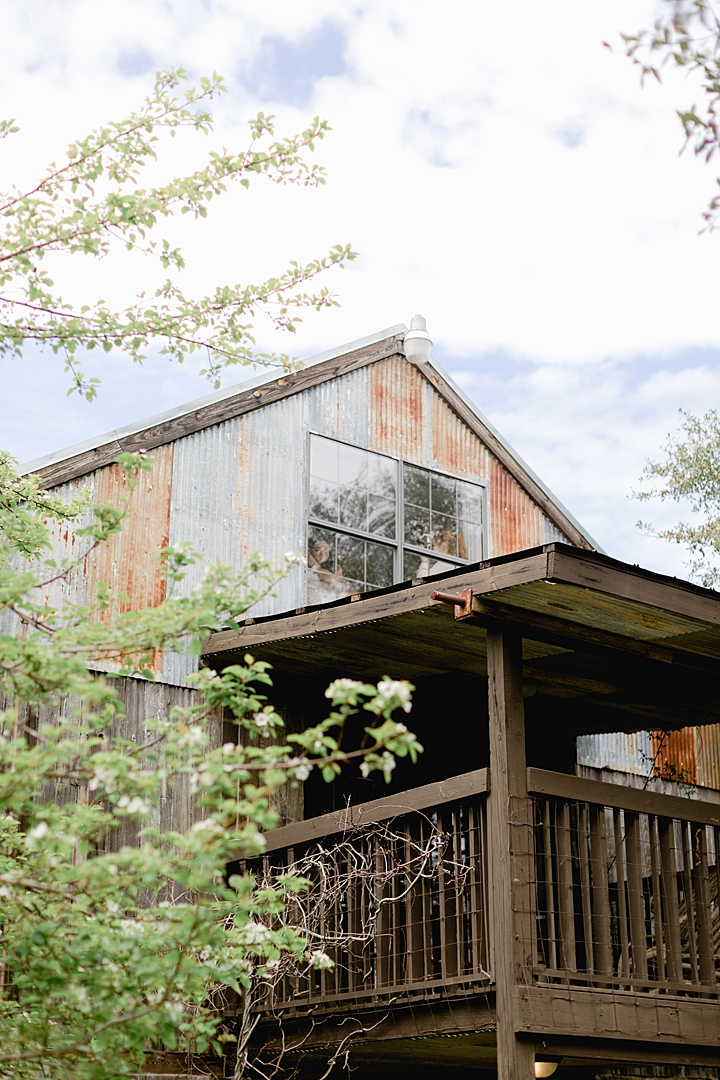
x: 397, y: 906
x: 626, y: 900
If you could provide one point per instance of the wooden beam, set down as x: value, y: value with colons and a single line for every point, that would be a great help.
x: 390, y: 806
x: 577, y: 1049
x: 580, y: 638
x: 245, y: 401
x: 593, y: 571
x: 491, y: 577
x: 554, y: 562
x: 560, y: 1010
x: 599, y: 793
x: 509, y: 849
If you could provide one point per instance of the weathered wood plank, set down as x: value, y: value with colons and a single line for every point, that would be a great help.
x: 491, y: 577
x: 567, y: 786
x: 593, y: 571
x: 504, y: 456
x: 617, y: 1014
x: 563, y: 633
x: 390, y: 806
x: 245, y: 401
x: 511, y: 869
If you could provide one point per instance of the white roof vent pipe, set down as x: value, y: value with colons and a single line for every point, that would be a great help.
x: 417, y: 340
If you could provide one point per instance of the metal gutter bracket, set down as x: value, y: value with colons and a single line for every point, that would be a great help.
x: 462, y: 601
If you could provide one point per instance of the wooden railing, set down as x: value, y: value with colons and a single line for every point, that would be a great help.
x: 627, y: 886
x: 397, y: 899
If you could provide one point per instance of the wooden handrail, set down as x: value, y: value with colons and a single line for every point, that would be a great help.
x: 567, y: 786
x: 390, y: 806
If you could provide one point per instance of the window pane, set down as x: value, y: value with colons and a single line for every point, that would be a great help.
x: 415, y: 566
x: 323, y: 499
x: 381, y: 476
x: 443, y: 494
x: 445, y: 536
x: 353, y: 507
x: 350, y: 558
x: 323, y: 458
x: 470, y: 502
x: 352, y: 465
x: 417, y: 526
x: 472, y: 535
x: 322, y: 581
x: 379, y: 565
x: 411, y: 565
x: 417, y: 486
x: 381, y: 516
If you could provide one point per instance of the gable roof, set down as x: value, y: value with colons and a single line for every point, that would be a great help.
x: 271, y: 386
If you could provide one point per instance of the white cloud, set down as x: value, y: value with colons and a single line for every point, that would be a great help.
x: 496, y: 167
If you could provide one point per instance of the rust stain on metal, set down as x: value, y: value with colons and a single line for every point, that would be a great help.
x: 515, y: 521
x: 454, y: 445
x: 691, y: 755
x: 397, y: 416
x: 130, y: 561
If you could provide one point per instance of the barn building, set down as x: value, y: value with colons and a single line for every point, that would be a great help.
x: 557, y: 918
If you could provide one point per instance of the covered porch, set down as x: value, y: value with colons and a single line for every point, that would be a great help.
x: 490, y: 907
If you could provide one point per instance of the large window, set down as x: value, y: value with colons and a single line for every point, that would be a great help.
x: 374, y: 521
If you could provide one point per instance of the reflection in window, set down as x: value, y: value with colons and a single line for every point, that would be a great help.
x: 442, y: 514
x: 339, y: 565
x: 352, y: 487
x: 353, y: 539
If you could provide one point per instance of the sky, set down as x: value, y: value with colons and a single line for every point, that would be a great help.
x: 495, y: 166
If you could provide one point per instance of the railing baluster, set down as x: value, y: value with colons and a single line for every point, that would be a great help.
x: 703, y: 906
x: 671, y: 910
x: 657, y: 906
x: 475, y: 888
x: 382, y: 932
x: 552, y: 957
x: 636, y: 895
x: 600, y: 895
x: 566, y: 903
x: 448, y: 924
x: 690, y: 914
x: 621, y: 876
x: 414, y: 908
x: 583, y: 847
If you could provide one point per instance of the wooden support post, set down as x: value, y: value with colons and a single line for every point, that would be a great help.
x: 511, y: 869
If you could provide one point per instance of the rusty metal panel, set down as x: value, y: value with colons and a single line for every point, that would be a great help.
x: 675, y: 755
x: 129, y: 561
x: 621, y: 752
x: 708, y: 755
x: 397, y: 411
x: 515, y: 521
x: 455, y: 447
x: 690, y: 755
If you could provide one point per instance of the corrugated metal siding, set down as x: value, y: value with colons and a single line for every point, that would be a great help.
x: 397, y: 416
x: 240, y: 487
x: 339, y: 408
x: 631, y: 753
x: 553, y: 534
x: 691, y: 755
x: 515, y: 521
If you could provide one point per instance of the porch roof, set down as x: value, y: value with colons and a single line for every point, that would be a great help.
x: 607, y: 646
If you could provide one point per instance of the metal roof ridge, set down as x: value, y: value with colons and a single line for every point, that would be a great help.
x: 268, y: 375
x: 511, y: 450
